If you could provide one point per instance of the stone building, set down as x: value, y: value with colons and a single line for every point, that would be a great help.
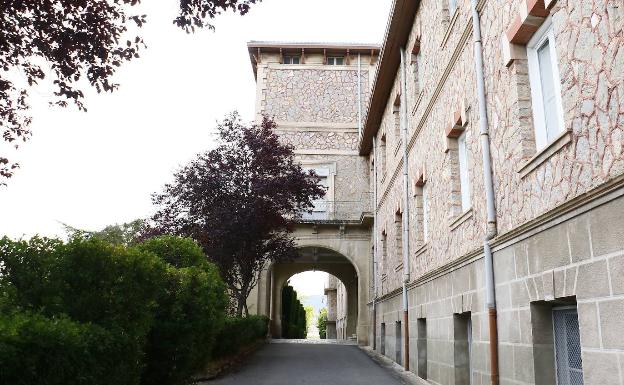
x: 491, y: 141
x: 316, y: 93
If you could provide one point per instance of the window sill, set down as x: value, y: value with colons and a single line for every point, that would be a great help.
x: 452, y: 23
x: 544, y: 154
x: 463, y: 217
x: 397, y: 147
x: 418, y: 100
x: 421, y: 250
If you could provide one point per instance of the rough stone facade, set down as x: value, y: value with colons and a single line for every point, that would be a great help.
x: 316, y: 106
x: 559, y: 209
x: 318, y: 95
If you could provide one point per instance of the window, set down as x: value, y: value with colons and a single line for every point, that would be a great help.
x: 462, y: 327
x: 398, y: 342
x: 322, y: 206
x: 396, y: 114
x: 292, y: 59
x: 568, y: 359
x: 545, y: 86
x: 417, y: 68
x: 452, y: 7
x: 421, y: 348
x: 556, y: 342
x: 335, y: 60
x: 382, y: 339
x: 425, y: 213
x: 398, y: 228
x: 382, y: 150
x: 464, y: 179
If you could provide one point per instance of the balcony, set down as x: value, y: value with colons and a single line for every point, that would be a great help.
x: 339, y: 211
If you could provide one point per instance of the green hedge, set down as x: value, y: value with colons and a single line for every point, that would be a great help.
x: 191, y: 308
x: 293, y: 315
x: 90, y: 312
x: 238, y: 333
x: 38, y: 350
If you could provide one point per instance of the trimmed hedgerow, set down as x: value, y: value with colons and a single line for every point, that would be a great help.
x: 239, y: 332
x: 191, y: 308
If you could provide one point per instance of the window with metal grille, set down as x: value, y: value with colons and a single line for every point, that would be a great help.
x: 569, y: 363
x: 398, y: 342
x: 382, y: 339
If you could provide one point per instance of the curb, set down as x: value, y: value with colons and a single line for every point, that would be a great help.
x: 407, y: 377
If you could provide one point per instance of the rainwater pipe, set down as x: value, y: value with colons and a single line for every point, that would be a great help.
x: 359, y: 98
x: 405, y: 214
x: 489, y: 194
x: 375, y: 239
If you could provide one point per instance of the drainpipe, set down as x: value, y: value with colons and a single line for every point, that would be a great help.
x: 359, y: 98
x: 405, y: 216
x: 375, y: 242
x: 489, y: 194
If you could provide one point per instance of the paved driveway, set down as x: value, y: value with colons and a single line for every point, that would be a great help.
x: 309, y: 364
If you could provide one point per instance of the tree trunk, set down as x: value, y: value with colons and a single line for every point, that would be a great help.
x: 239, y: 306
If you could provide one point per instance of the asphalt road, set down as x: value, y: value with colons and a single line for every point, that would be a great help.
x: 309, y: 364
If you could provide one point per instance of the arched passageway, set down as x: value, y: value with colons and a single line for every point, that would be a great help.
x: 319, y: 259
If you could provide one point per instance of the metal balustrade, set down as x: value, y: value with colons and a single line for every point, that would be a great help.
x: 326, y: 210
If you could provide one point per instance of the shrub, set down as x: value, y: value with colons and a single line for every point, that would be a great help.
x: 191, y: 308
x: 44, y: 351
x: 293, y: 315
x: 177, y: 251
x: 321, y: 323
x: 79, y: 288
x: 238, y: 332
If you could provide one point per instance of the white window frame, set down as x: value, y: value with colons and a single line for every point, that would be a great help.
x: 464, y: 177
x: 291, y: 59
x: 425, y: 213
x: 333, y: 60
x: 544, y: 34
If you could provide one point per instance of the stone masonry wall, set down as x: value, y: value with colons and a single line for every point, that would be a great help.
x: 314, y: 95
x: 558, y: 262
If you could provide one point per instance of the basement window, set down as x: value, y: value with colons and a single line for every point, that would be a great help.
x: 335, y: 60
x: 463, y: 348
x: 398, y: 343
x: 421, y: 348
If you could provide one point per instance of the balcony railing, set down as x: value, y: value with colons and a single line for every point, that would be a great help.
x: 325, y: 210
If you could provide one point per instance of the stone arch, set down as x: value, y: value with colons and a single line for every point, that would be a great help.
x: 321, y: 258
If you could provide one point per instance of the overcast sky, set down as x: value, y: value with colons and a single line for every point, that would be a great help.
x: 98, y: 168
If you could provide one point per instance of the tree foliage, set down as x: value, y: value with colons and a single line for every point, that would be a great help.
x: 321, y: 323
x: 125, y: 234
x: 294, y: 323
x: 70, y: 43
x: 239, y: 202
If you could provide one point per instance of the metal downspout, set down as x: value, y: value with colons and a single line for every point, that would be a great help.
x: 375, y: 242
x: 359, y: 98
x: 405, y: 216
x: 489, y: 194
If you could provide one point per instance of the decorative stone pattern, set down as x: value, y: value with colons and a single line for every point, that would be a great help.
x: 320, y: 140
x: 314, y: 95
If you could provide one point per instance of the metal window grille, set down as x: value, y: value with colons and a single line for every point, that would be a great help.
x: 567, y: 347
